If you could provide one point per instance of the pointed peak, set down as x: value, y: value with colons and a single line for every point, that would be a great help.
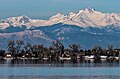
x: 90, y: 10
x: 17, y: 21
x: 57, y: 15
x: 17, y: 17
x: 71, y: 13
x: 23, y: 16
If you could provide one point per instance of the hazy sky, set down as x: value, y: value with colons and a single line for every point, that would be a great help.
x: 45, y: 8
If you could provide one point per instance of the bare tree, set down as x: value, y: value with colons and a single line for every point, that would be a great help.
x: 96, y: 51
x: 110, y: 50
x: 58, y: 47
x: 11, y: 47
x: 19, y: 44
x: 74, y: 48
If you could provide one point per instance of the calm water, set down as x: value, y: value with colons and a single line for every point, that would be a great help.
x: 36, y: 69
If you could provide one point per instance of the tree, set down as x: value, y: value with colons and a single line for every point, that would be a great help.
x: 19, y: 44
x: 96, y: 51
x: 2, y: 53
x: 110, y: 50
x: 58, y: 47
x: 28, y: 49
x: 11, y: 47
x: 75, y: 48
x: 40, y: 50
x: 37, y: 50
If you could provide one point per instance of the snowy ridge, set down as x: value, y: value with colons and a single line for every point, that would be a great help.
x: 32, y: 37
x: 26, y: 33
x: 84, y: 18
x: 15, y: 21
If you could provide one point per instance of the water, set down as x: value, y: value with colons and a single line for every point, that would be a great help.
x: 37, y: 69
x: 64, y: 71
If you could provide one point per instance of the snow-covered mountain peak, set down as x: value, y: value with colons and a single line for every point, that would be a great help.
x: 84, y: 18
x: 72, y: 13
x: 59, y: 15
x: 89, y: 9
x: 15, y: 21
x: 25, y: 19
x: 56, y: 19
x: 18, y: 19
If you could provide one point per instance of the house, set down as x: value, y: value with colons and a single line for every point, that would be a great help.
x: 89, y: 57
x: 8, y: 55
x: 103, y: 57
x: 65, y: 56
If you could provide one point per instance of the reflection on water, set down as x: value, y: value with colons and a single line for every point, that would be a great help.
x: 77, y: 69
x: 62, y: 63
x: 60, y: 77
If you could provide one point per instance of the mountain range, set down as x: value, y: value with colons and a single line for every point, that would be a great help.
x: 87, y: 27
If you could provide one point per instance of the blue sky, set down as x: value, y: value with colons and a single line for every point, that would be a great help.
x: 43, y: 9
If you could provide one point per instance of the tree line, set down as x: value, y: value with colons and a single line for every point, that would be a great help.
x: 19, y: 49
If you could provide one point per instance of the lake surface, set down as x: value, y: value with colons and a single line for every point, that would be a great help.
x: 37, y: 69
